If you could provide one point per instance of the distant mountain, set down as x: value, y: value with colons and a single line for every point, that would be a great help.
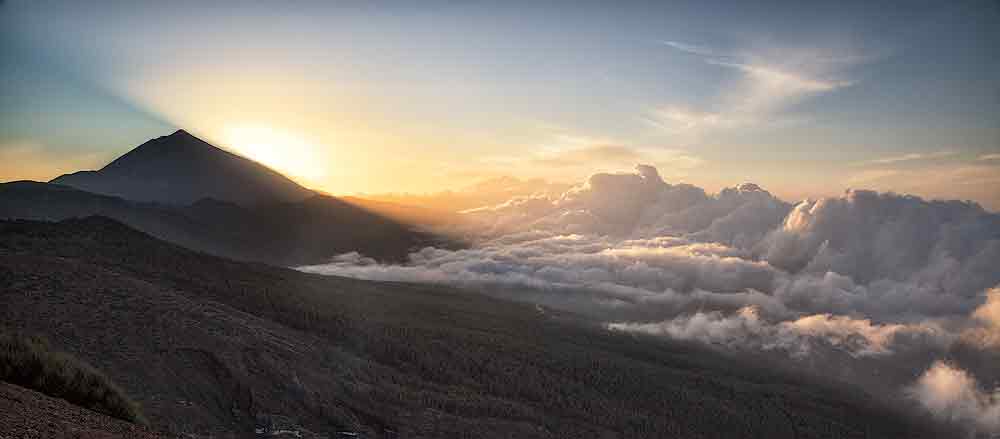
x: 181, y: 169
x: 215, y: 348
x: 289, y: 233
x: 184, y: 190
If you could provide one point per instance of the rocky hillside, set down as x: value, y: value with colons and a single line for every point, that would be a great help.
x: 213, y: 347
x: 27, y: 414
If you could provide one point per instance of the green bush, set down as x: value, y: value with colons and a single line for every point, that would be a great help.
x: 30, y: 362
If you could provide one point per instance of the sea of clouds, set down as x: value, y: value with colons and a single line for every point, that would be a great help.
x: 871, y: 283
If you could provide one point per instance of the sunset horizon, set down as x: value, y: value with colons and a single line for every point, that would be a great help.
x: 476, y: 219
x: 806, y: 108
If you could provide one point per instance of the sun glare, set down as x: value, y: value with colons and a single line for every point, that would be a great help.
x: 280, y: 150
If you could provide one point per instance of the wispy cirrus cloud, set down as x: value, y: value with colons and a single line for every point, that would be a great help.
x: 768, y: 84
x: 693, y: 49
x: 767, y: 88
x: 567, y: 155
x: 676, y: 118
x: 617, y: 154
x: 870, y: 175
x: 909, y: 157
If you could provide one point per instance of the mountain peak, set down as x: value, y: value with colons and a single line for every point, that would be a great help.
x: 181, y: 169
x: 180, y: 137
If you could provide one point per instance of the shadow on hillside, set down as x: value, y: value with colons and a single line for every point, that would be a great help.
x: 304, y: 232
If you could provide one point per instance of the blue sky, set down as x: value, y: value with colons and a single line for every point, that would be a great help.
x: 804, y: 98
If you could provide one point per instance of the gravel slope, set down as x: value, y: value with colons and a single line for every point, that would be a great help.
x: 26, y: 414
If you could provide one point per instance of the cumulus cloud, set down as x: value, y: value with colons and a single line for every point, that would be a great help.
x: 640, y: 204
x: 989, y: 313
x: 881, y: 255
x: 876, y: 281
x: 872, y: 237
x: 937, y: 179
x: 951, y: 393
x: 986, y: 333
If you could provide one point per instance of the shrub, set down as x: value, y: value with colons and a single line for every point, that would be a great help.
x: 30, y: 362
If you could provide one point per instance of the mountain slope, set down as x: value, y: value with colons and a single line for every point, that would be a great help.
x: 27, y: 414
x: 283, y: 233
x: 181, y: 169
x: 211, y: 346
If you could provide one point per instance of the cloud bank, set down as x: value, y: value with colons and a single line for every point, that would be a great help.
x: 798, y: 338
x: 876, y: 281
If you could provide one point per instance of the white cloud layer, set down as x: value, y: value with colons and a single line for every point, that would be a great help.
x: 864, y: 276
x: 746, y: 330
x: 881, y: 255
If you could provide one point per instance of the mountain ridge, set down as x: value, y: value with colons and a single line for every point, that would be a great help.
x: 180, y: 169
x: 281, y: 233
x: 187, y: 191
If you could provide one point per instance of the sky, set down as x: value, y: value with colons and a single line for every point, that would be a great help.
x: 806, y: 100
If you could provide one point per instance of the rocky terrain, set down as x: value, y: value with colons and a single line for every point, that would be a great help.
x: 27, y: 414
